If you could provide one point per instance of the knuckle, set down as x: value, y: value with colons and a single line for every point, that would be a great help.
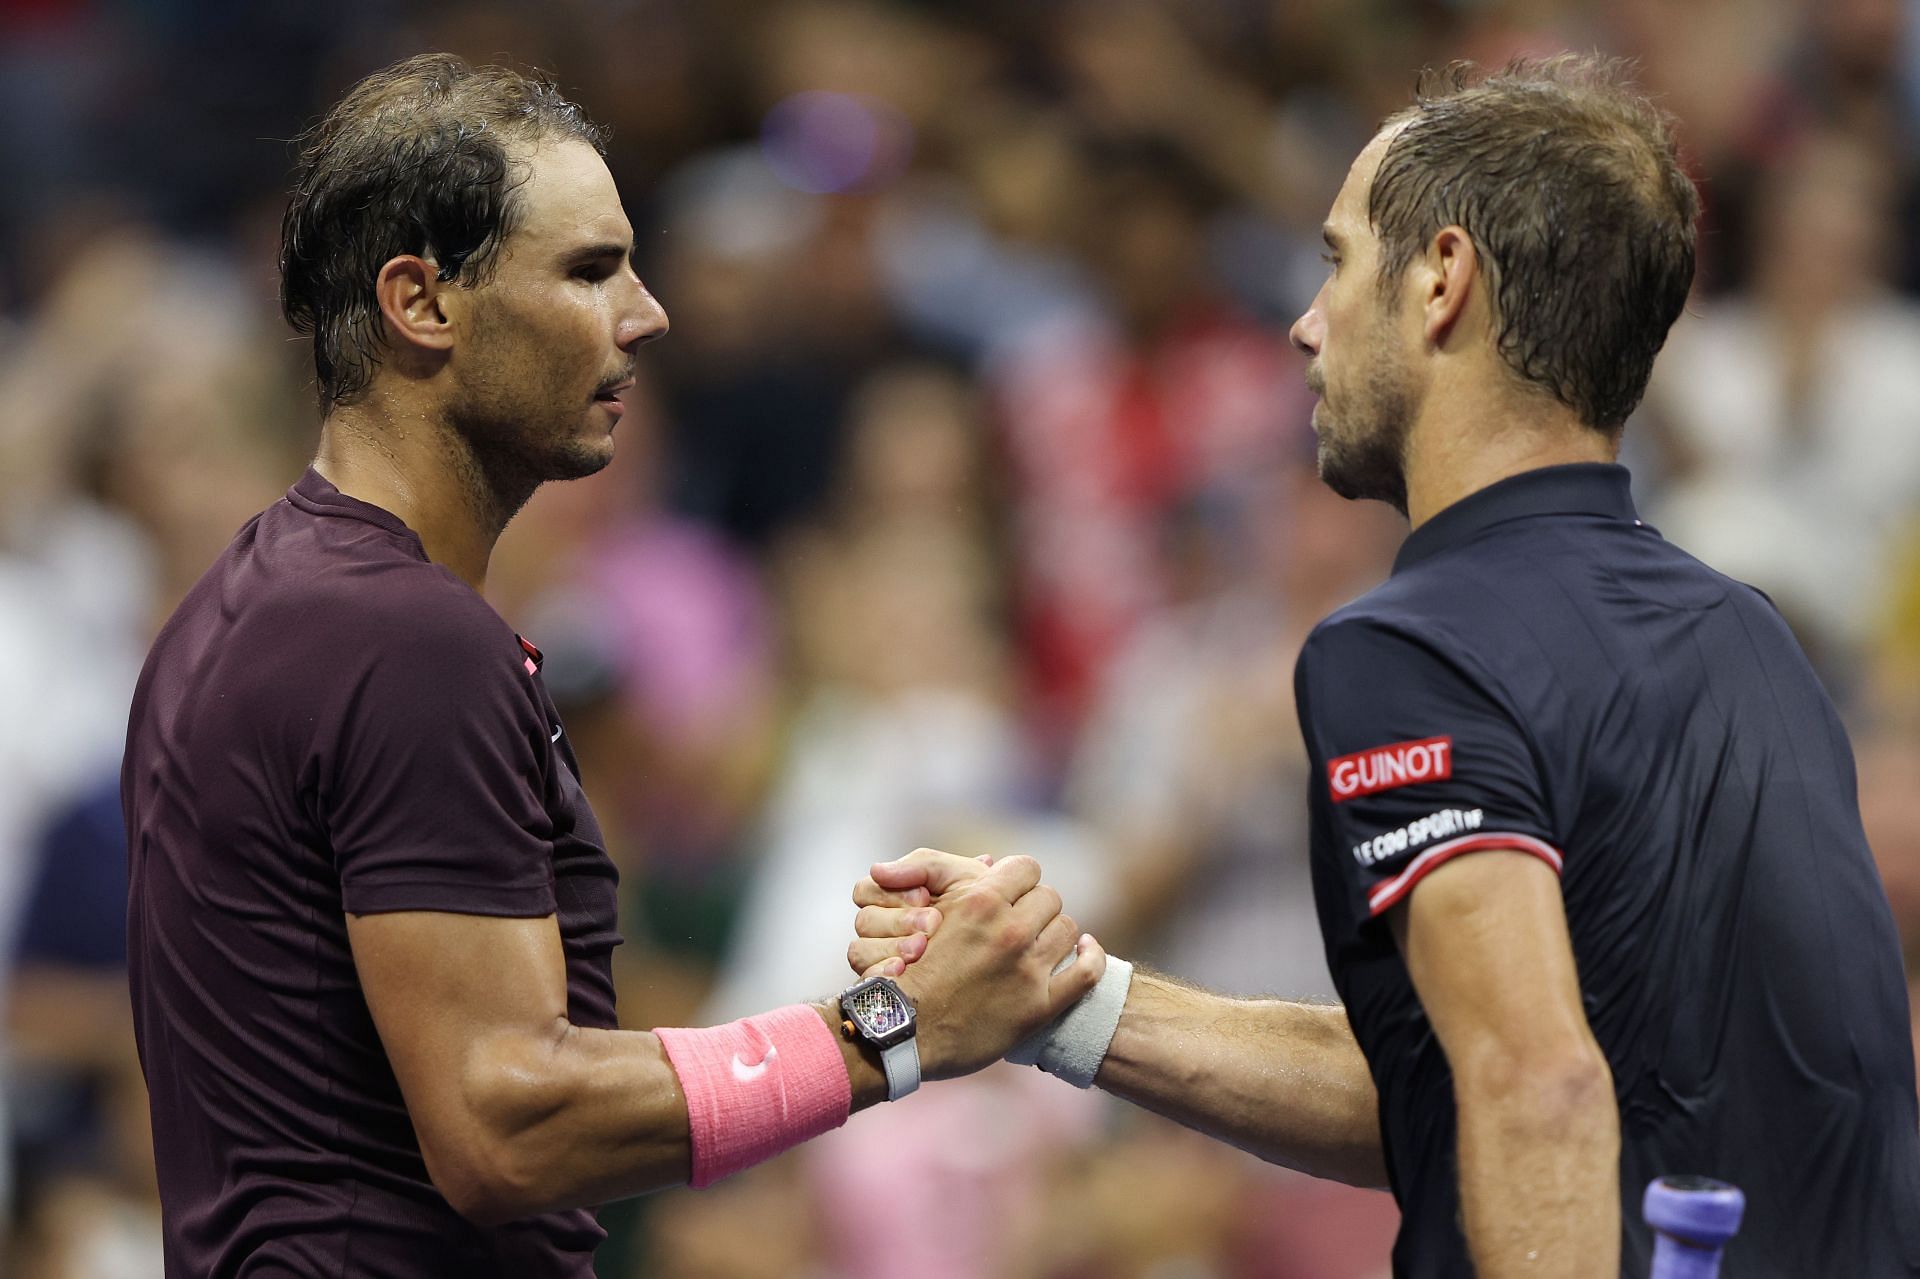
x: 975, y: 906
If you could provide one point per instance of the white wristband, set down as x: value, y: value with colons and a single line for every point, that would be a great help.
x: 1072, y: 1045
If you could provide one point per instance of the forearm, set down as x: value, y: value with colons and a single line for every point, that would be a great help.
x: 591, y: 1116
x: 1284, y: 1081
x: 1539, y: 1163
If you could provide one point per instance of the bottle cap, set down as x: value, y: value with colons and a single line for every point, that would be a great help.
x: 1699, y: 1210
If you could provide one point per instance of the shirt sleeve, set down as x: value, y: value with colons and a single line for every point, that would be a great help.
x: 433, y: 775
x: 1414, y: 761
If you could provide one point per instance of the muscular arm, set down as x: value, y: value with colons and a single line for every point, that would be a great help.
x: 1485, y: 942
x: 1284, y: 1081
x: 517, y: 1110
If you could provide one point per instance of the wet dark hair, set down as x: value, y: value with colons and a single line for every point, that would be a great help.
x: 1569, y: 183
x: 414, y: 159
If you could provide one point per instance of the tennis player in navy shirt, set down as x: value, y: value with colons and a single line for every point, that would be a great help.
x: 371, y: 914
x: 1586, y: 849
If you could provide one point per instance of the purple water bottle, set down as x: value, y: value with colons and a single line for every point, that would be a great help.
x: 1692, y: 1219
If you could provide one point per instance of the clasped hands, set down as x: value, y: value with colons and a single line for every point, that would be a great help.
x: 980, y: 946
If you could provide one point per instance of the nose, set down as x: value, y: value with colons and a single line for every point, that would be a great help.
x: 1309, y: 332
x: 644, y: 321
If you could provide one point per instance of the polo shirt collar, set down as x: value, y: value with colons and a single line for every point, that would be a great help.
x: 316, y: 495
x: 1579, y: 488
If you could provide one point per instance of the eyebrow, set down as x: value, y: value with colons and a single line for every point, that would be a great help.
x: 594, y: 252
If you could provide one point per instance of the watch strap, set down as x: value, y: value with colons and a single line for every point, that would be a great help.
x: 902, y: 1064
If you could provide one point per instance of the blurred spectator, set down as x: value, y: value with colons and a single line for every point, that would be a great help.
x: 1110, y: 425
x: 1191, y: 764
x: 753, y: 397
x: 903, y: 728
x: 1191, y: 768
x: 762, y: 1224
x: 1158, y: 1200
x: 138, y: 432
x: 903, y: 733
x: 1887, y: 743
x: 979, y: 258
x: 1849, y: 75
x: 1792, y: 407
x: 81, y: 1130
x: 1889, y: 756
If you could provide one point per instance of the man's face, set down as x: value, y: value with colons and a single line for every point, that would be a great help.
x: 547, y: 344
x: 1358, y: 366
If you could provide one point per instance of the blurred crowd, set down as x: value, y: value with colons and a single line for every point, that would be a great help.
x: 970, y: 503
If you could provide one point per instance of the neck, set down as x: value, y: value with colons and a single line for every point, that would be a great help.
x: 1468, y: 442
x: 409, y: 461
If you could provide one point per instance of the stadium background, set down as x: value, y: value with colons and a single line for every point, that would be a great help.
x: 970, y: 502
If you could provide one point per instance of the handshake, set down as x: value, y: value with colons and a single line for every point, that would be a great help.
x: 992, y: 965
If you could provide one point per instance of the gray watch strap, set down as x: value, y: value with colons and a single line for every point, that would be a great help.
x: 902, y: 1064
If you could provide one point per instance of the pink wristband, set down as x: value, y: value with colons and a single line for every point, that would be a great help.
x: 757, y: 1087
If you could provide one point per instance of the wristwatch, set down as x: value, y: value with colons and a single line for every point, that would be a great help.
x: 879, y: 1012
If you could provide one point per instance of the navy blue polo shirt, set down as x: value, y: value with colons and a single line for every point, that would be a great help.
x: 1543, y: 672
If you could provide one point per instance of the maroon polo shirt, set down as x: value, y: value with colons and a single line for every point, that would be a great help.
x: 331, y: 723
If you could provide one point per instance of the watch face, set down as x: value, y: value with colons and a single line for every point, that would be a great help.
x: 879, y: 1009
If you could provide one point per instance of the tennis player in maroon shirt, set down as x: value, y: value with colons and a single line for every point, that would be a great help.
x: 372, y: 914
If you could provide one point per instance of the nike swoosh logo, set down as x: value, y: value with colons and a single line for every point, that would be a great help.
x: 746, y: 1072
x: 556, y: 734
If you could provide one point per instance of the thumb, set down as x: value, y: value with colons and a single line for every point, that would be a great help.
x: 927, y: 868
x: 1071, y: 981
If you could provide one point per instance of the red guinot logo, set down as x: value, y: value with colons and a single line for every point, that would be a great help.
x: 1385, y: 767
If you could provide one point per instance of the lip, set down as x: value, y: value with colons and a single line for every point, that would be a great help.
x: 609, y: 399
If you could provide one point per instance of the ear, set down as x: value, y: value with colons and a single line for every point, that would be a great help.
x: 413, y: 303
x: 1450, y: 271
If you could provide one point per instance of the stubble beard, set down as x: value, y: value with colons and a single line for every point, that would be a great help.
x: 1362, y: 456
x: 511, y: 431
x: 505, y: 455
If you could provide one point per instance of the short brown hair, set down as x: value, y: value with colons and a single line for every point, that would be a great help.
x: 412, y: 160
x: 1568, y: 181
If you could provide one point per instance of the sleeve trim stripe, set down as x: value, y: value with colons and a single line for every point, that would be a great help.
x: 1385, y: 894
